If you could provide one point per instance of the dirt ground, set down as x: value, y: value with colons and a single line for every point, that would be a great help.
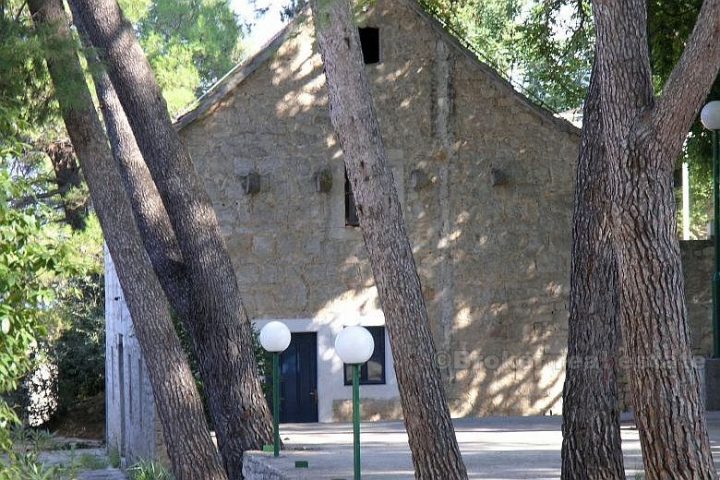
x: 85, y: 419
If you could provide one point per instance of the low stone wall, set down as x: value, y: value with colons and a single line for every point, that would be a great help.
x: 371, y: 410
x: 256, y: 466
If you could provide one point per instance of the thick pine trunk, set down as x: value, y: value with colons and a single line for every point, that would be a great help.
x: 219, y: 322
x: 190, y: 446
x: 643, y: 136
x: 666, y: 395
x: 591, y: 418
x: 432, y: 439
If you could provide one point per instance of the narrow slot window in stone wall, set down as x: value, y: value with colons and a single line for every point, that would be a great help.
x: 351, y: 217
x: 370, y: 43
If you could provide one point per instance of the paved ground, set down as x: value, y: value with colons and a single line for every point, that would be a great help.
x: 107, y: 474
x: 498, y: 448
x: 91, y: 461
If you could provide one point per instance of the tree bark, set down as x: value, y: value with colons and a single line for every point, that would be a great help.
x: 591, y: 419
x: 643, y: 137
x: 218, y: 319
x: 435, y: 451
x: 190, y: 446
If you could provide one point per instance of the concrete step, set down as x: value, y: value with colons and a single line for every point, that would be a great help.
x: 106, y: 474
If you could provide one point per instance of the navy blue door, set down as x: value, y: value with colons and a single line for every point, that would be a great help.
x: 298, y: 384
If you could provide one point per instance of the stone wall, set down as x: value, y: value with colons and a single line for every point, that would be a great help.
x: 697, y: 257
x: 257, y: 467
x: 485, y: 179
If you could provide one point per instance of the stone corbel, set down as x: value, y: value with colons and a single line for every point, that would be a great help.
x: 250, y: 183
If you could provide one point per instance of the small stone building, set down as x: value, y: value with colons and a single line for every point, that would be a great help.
x: 486, y: 181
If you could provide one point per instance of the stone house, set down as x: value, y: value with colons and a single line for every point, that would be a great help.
x: 486, y: 181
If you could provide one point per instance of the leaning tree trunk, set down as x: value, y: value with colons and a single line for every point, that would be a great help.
x: 218, y: 319
x: 432, y: 439
x: 591, y: 418
x: 190, y: 446
x: 644, y: 137
x: 150, y: 215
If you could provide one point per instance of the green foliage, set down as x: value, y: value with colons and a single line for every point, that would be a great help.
x: 147, y: 470
x: 114, y: 456
x: 555, y: 52
x: 28, y: 264
x: 78, y: 345
x: 28, y: 440
x: 24, y: 86
x: 87, y: 461
x: 488, y: 26
x: 27, y: 467
x: 40, y: 264
x: 549, y: 47
x: 23, y: 462
x: 189, y: 43
x: 264, y: 361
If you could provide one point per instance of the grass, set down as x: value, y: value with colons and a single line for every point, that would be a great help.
x: 147, y: 470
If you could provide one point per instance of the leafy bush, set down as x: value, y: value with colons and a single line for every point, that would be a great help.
x: 79, y: 351
x: 22, y: 462
x: 33, y: 262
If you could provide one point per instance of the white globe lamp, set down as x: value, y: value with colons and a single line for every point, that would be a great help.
x: 355, y: 345
x: 710, y: 115
x: 275, y: 338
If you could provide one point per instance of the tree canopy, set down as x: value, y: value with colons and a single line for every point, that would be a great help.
x: 189, y: 43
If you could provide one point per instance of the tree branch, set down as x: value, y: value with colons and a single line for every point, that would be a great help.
x: 19, y: 12
x: 28, y: 200
x: 691, y: 79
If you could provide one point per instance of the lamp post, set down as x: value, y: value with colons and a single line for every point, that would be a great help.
x: 710, y: 117
x: 355, y: 346
x: 275, y: 338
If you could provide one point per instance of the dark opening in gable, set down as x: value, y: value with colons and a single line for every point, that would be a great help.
x: 370, y: 43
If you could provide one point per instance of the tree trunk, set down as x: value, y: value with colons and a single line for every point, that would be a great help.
x: 591, y: 418
x: 432, y: 439
x: 190, y: 446
x: 67, y: 179
x: 150, y: 215
x: 218, y: 319
x: 643, y: 136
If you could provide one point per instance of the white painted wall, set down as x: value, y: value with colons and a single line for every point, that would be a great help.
x: 330, y: 380
x: 130, y: 407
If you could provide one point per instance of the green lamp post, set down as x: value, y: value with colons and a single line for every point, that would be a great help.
x: 710, y: 118
x: 355, y: 345
x: 275, y: 338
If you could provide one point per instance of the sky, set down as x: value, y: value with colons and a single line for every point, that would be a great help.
x: 265, y: 26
